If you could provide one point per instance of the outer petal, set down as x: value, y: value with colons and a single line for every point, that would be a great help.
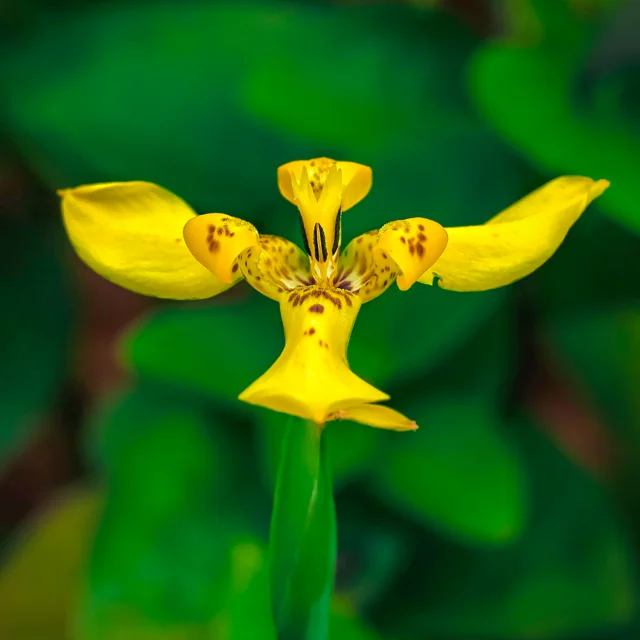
x: 216, y: 240
x: 311, y: 378
x: 131, y: 233
x: 356, y: 178
x: 375, y: 415
x: 515, y: 242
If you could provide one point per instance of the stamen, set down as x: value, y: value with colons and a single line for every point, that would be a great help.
x: 323, y: 243
x: 316, y: 243
x: 336, y: 233
x: 305, y: 240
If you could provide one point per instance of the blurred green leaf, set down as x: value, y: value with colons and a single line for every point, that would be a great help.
x: 458, y: 472
x: 217, y: 350
x: 250, y: 614
x: 348, y: 627
x: 162, y: 557
x: 35, y: 322
x: 42, y: 571
x: 233, y: 115
x: 570, y: 575
x: 531, y: 97
x: 590, y: 271
x: 302, y: 542
x: 601, y: 351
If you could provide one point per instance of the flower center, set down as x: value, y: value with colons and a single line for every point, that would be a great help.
x: 318, y: 196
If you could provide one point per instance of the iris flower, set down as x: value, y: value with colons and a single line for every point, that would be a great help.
x: 146, y: 239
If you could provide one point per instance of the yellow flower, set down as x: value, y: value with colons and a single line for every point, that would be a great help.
x: 146, y: 239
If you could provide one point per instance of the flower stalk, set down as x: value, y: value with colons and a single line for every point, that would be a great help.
x: 302, y: 546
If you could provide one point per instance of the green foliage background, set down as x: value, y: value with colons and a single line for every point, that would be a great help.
x: 489, y: 523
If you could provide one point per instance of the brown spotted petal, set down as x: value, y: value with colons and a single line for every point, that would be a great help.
x: 356, y: 178
x: 275, y: 266
x: 363, y: 271
x: 216, y: 240
x: 413, y: 244
x: 311, y: 378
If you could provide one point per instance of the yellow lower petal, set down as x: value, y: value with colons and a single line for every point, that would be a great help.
x: 131, y: 234
x: 311, y: 378
x: 515, y: 242
x: 375, y: 415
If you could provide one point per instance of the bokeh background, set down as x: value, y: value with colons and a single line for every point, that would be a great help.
x: 135, y: 490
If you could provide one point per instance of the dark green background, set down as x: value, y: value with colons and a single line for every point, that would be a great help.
x: 513, y: 512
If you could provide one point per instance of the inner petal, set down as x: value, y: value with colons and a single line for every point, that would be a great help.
x: 274, y: 266
x: 364, y: 271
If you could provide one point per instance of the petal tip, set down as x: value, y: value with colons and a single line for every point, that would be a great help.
x: 599, y: 187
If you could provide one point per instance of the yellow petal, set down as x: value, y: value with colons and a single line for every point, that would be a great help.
x: 356, y: 178
x: 216, y: 240
x: 363, y: 271
x: 515, y: 242
x: 276, y: 266
x: 311, y: 378
x: 375, y: 415
x: 321, y: 221
x: 414, y: 245
x: 131, y: 234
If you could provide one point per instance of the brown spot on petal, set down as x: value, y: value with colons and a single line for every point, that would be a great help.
x: 412, y: 249
x: 403, y: 240
x: 316, y: 308
x: 422, y: 237
x: 234, y: 268
x: 220, y: 231
x: 420, y: 250
x: 212, y: 228
x: 214, y: 246
x: 421, y: 227
x: 311, y: 331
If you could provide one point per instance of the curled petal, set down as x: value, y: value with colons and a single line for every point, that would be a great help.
x: 375, y: 415
x: 356, y: 178
x: 414, y: 245
x: 311, y: 378
x: 131, y: 234
x: 515, y: 242
x: 216, y: 240
x: 401, y: 250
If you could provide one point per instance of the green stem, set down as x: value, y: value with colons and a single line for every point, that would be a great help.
x: 302, y: 547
